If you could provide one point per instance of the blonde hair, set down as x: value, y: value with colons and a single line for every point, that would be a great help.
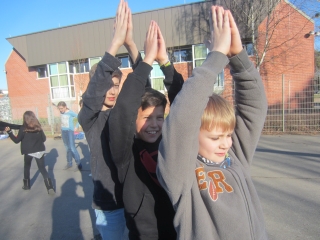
x: 219, y: 113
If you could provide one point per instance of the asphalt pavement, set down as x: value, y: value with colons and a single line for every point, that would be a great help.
x: 286, y: 172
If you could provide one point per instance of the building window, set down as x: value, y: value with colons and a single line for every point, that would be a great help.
x: 249, y: 48
x: 79, y: 66
x: 157, y: 78
x: 42, y: 71
x: 200, y: 53
x: 156, y: 75
x: 93, y: 61
x: 181, y: 55
x: 219, y: 85
x: 125, y: 63
x: 61, y: 83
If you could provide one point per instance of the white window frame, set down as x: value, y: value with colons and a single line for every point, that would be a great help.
x: 157, y: 77
x: 219, y: 85
x: 69, y: 86
x: 181, y: 49
x: 74, y: 68
x: 91, y: 59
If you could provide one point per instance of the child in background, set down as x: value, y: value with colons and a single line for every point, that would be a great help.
x: 207, y: 147
x: 32, y: 140
x: 67, y: 134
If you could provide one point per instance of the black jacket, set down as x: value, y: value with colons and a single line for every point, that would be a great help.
x: 31, y: 142
x: 107, y: 193
x: 149, y: 212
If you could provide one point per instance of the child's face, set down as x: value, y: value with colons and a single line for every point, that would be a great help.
x: 214, y: 144
x: 149, y: 123
x: 112, y: 93
x: 62, y: 109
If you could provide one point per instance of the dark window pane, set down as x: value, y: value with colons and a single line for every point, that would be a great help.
x: 71, y: 65
x: 42, y: 72
x: 250, y: 49
x: 176, y: 56
x: 71, y: 79
x: 186, y: 55
x: 84, y: 67
x: 72, y: 92
x: 124, y: 62
x: 77, y: 67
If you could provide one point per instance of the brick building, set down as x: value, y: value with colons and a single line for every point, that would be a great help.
x: 51, y: 66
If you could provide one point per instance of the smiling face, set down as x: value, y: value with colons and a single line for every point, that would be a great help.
x: 112, y: 94
x: 149, y: 123
x: 214, y: 144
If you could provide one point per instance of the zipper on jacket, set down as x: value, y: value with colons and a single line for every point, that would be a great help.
x: 233, y: 172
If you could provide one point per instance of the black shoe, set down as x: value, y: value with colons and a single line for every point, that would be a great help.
x: 49, y: 186
x: 26, y: 184
x: 78, y: 168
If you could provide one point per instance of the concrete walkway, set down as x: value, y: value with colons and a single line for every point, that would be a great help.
x: 286, y: 171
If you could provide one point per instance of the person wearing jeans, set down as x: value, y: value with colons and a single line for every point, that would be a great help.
x: 67, y: 134
x: 68, y: 140
x: 111, y: 224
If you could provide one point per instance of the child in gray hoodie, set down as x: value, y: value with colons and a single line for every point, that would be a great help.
x: 207, y: 147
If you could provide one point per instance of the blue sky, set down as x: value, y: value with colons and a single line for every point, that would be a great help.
x: 20, y: 17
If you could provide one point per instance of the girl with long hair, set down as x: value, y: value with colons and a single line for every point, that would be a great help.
x: 32, y: 140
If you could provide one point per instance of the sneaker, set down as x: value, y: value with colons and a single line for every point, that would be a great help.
x: 78, y: 168
x: 67, y: 167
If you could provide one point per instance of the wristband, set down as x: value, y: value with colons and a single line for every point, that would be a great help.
x: 168, y: 63
x: 9, y: 131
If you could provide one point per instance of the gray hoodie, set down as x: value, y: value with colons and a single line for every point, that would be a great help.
x: 213, y: 202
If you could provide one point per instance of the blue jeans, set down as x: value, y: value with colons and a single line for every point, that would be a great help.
x: 111, y: 224
x: 68, y: 140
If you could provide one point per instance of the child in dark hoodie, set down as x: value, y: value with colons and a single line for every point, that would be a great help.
x: 135, y: 132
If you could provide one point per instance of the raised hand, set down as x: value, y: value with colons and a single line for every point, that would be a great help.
x: 151, y: 43
x: 220, y: 30
x: 236, y: 44
x: 129, y: 34
x: 128, y: 41
x: 7, y: 129
x: 162, y: 56
x: 119, y: 28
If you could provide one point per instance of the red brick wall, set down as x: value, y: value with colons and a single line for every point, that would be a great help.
x: 290, y: 54
x: 25, y: 90
x: 184, y: 68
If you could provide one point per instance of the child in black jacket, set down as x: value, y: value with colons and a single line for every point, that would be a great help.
x: 32, y: 140
x: 135, y: 125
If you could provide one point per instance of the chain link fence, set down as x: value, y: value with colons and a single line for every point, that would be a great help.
x: 296, y: 109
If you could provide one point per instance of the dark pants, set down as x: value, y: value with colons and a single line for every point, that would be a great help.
x: 27, y: 166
